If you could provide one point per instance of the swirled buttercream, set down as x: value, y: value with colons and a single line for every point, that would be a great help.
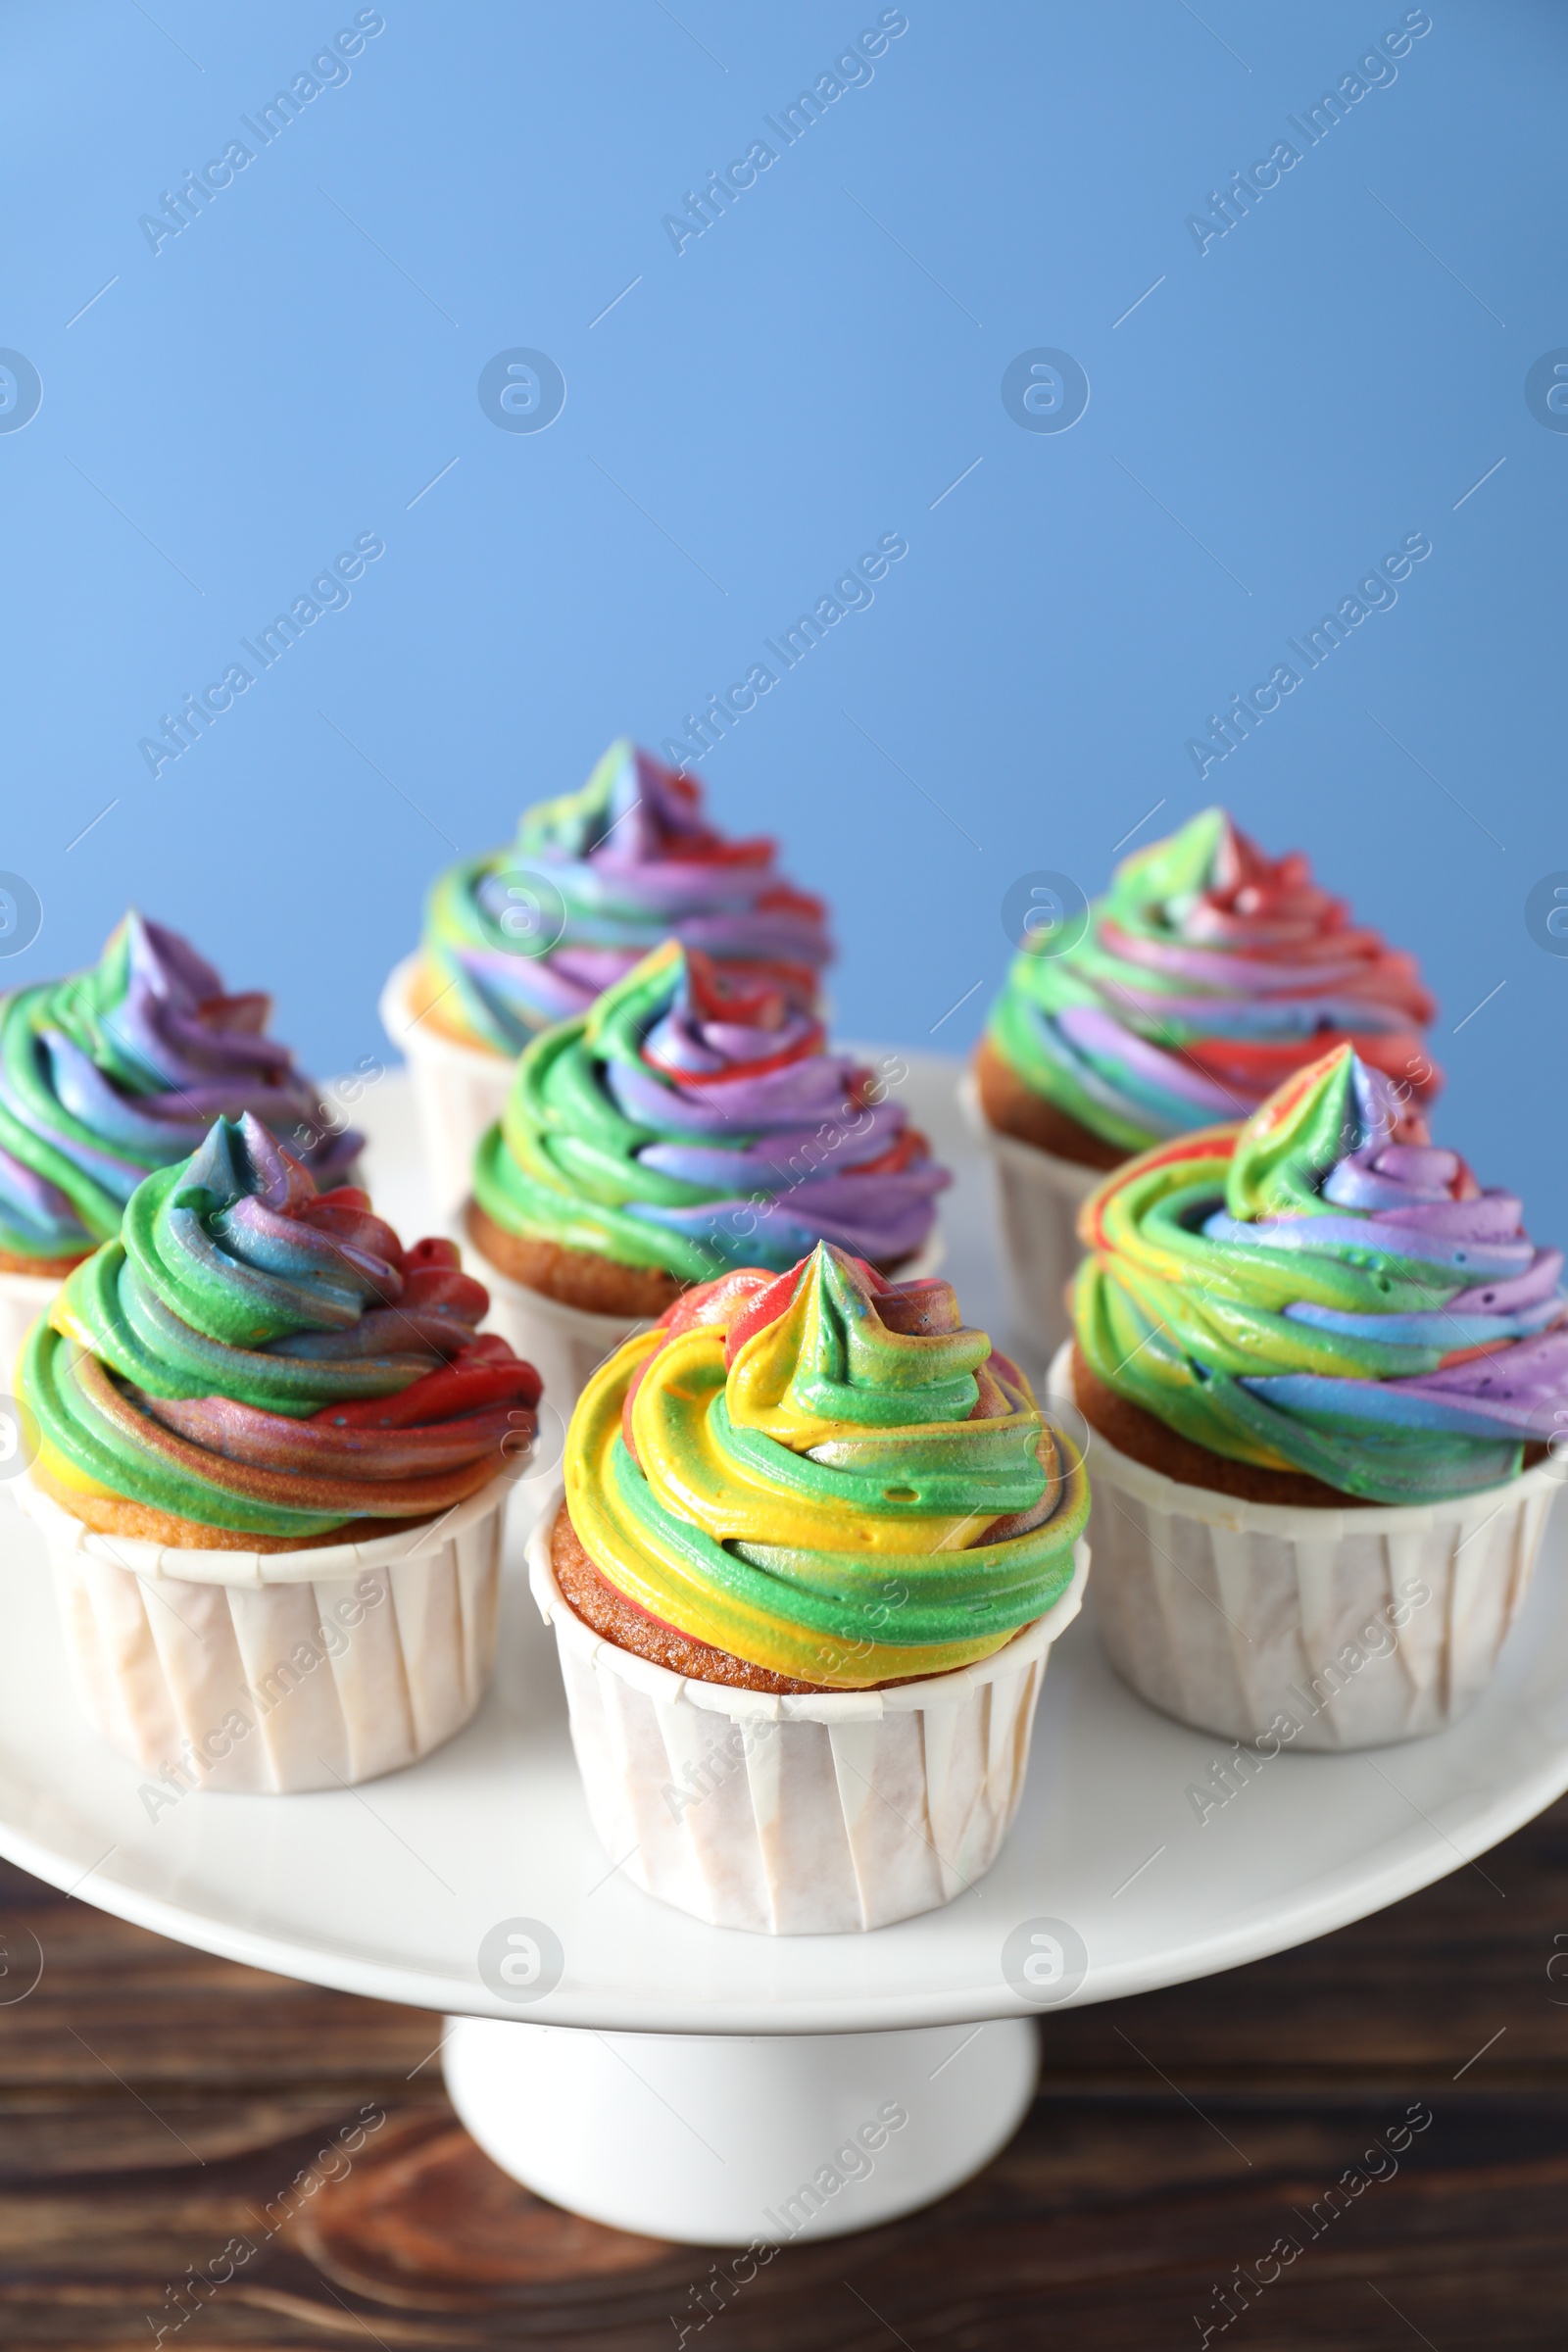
x: 687, y: 1124
x: 122, y: 1069
x: 825, y: 1475
x: 1205, y: 975
x: 528, y: 935
x: 254, y: 1354
x: 1308, y: 1291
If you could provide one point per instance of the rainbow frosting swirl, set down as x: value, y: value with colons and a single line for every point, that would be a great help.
x: 1207, y: 974
x: 694, y: 1125
x: 531, y: 934
x: 254, y: 1354
x: 825, y: 1475
x: 122, y: 1069
x: 1308, y: 1291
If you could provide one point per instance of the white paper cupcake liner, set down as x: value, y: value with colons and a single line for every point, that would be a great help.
x: 1359, y: 1627
x: 24, y: 1298
x: 458, y: 1090
x: 1038, y: 1197
x: 565, y: 1345
x: 278, y: 1671
x: 807, y: 1816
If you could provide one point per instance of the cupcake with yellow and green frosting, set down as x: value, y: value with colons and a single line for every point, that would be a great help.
x: 813, y: 1527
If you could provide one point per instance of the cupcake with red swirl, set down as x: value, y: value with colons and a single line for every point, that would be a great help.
x: 685, y: 1125
x: 272, y: 1454
x: 1323, y: 1366
x: 524, y: 937
x: 1205, y: 975
x: 114, y: 1072
x: 815, y: 1542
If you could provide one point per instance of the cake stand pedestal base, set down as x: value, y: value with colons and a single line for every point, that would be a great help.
x: 729, y: 2140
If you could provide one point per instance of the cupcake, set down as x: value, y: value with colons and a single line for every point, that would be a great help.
x: 1322, y: 1367
x: 815, y: 1542
x: 272, y: 1455
x: 687, y: 1124
x: 525, y: 936
x: 1206, y: 976
x: 118, y: 1071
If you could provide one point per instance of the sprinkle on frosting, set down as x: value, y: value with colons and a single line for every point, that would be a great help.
x: 691, y: 1124
x: 122, y: 1069
x: 1208, y: 973
x: 531, y: 934
x: 826, y: 1475
x: 1315, y: 1291
x: 255, y: 1355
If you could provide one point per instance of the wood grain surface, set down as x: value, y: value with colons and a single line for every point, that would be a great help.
x: 166, y: 2117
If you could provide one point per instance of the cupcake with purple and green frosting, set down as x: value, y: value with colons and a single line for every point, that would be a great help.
x: 527, y: 935
x: 1204, y: 976
x: 1324, y: 1368
x: 121, y: 1070
x: 685, y: 1125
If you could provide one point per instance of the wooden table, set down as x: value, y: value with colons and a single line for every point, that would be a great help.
x: 167, y: 2115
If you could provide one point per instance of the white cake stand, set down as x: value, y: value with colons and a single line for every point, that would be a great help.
x: 702, y: 2085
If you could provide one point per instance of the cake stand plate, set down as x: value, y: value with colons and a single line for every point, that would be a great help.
x: 472, y: 1885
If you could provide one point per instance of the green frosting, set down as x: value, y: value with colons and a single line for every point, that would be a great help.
x: 563, y: 1164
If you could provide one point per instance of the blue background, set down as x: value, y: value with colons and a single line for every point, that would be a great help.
x: 811, y: 373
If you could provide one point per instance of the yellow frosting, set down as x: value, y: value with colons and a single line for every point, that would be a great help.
x: 813, y: 1509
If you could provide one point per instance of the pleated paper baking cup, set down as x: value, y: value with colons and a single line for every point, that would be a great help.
x: 274, y: 1672
x: 807, y: 1816
x: 24, y: 1298
x: 1358, y: 1627
x: 458, y: 1090
x: 1039, y: 1197
x: 565, y: 1345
